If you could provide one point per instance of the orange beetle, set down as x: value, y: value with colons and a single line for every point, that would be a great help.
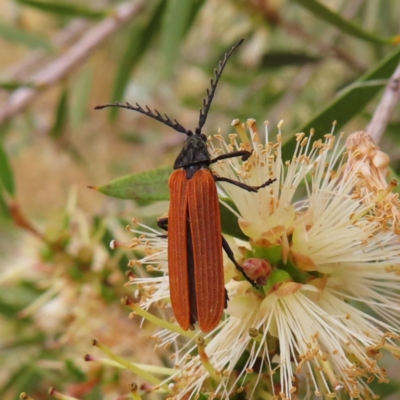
x: 195, y: 241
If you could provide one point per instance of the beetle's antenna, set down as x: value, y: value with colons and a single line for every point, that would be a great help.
x: 157, y: 116
x: 210, y: 95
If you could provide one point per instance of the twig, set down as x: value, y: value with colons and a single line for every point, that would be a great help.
x: 24, y: 68
x: 62, y: 66
x: 382, y: 114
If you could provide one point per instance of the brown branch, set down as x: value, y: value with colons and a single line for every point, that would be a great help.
x: 382, y: 114
x: 59, y: 68
x: 23, y: 69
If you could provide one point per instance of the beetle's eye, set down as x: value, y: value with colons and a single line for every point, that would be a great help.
x: 204, y: 137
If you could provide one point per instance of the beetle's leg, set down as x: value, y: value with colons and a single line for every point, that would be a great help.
x: 163, y: 224
x: 226, y: 299
x: 244, y: 153
x: 230, y: 255
x: 243, y: 185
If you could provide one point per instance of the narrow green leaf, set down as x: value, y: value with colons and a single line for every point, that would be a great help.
x: 74, y: 371
x: 195, y: 8
x: 65, y: 9
x: 148, y: 186
x: 80, y: 94
x: 279, y: 59
x: 16, y: 35
x: 14, y: 379
x: 8, y: 310
x: 12, y: 85
x: 179, y: 16
x: 29, y: 378
x: 229, y: 221
x: 350, y: 102
x: 4, y: 214
x: 6, y: 172
x: 61, y: 120
x: 141, y: 35
x: 342, y: 24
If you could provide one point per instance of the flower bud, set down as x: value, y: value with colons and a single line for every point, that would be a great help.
x: 257, y: 270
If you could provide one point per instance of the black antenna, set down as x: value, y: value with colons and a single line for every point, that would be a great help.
x: 157, y: 116
x: 217, y: 74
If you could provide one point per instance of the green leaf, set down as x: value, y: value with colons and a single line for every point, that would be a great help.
x: 342, y: 24
x: 15, y: 377
x: 229, y: 221
x: 4, y: 211
x: 81, y: 93
x: 350, y: 102
x: 16, y: 35
x: 148, y: 186
x: 12, y: 85
x: 279, y: 59
x: 178, y: 19
x: 140, y: 36
x: 74, y: 372
x: 6, y: 172
x: 14, y: 298
x: 29, y: 378
x: 61, y: 120
x: 195, y: 8
x: 65, y: 9
x: 8, y: 310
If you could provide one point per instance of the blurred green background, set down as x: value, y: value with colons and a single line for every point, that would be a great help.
x: 303, y: 61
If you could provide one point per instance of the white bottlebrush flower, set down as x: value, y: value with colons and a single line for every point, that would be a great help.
x: 326, y: 234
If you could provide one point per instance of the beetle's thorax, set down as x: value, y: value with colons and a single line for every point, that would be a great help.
x: 194, y: 153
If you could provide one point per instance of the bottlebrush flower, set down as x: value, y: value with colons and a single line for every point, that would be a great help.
x: 323, y: 241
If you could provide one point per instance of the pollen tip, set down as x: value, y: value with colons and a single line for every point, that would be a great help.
x: 112, y: 244
x: 235, y: 122
x: 250, y: 122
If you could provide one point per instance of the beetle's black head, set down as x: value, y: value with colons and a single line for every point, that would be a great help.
x: 194, y: 152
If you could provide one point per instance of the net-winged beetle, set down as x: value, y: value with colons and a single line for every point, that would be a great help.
x: 195, y: 241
